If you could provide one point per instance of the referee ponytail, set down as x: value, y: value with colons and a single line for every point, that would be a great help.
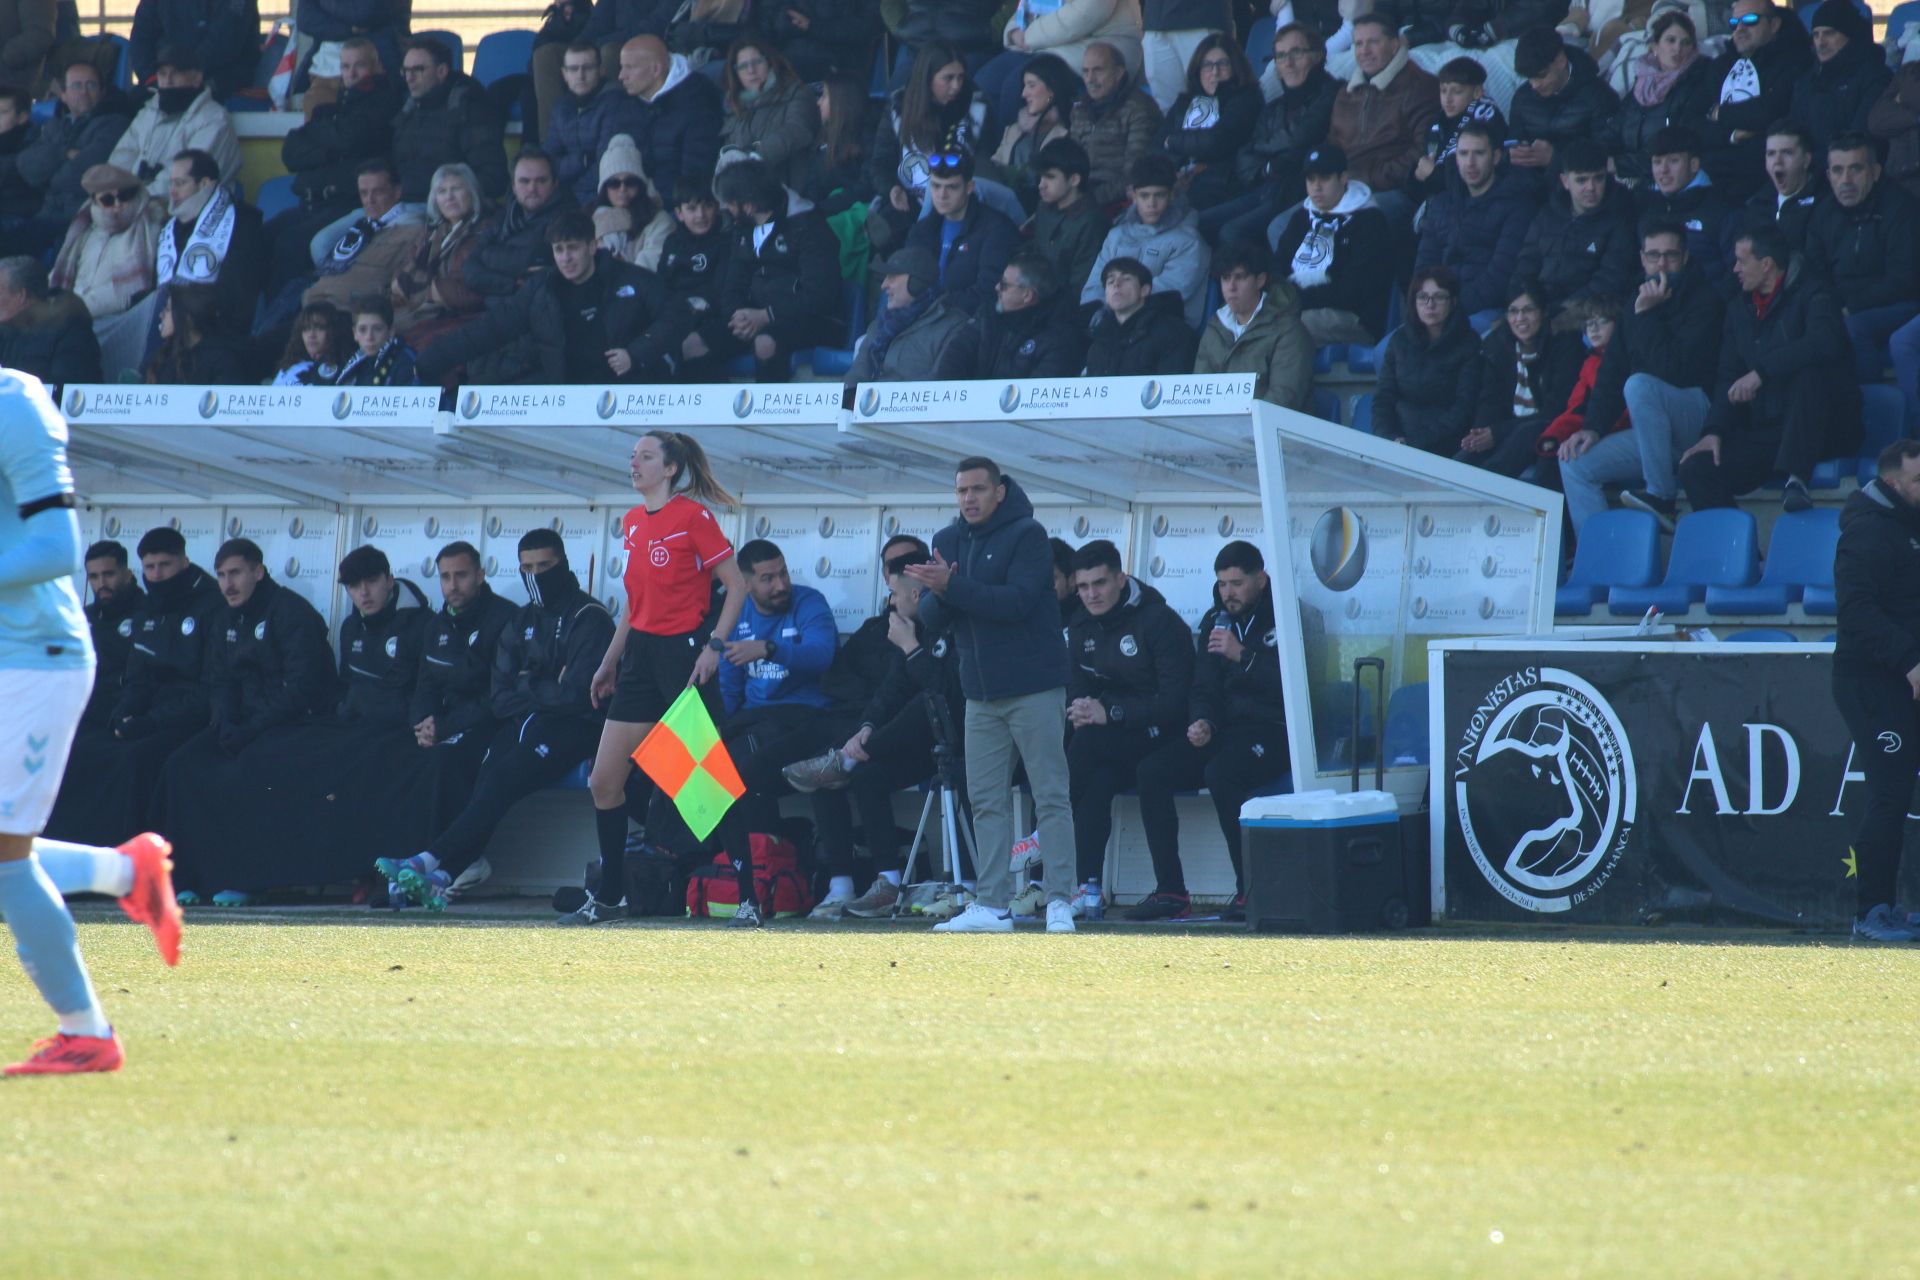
x: 693, y: 474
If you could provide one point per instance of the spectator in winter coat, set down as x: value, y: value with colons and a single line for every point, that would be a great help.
x: 1137, y: 333
x: 627, y: 218
x: 1477, y: 223
x: 375, y: 247
x: 1529, y: 372
x: 1463, y: 101
x: 1068, y: 226
x: 905, y: 341
x: 781, y: 288
x: 194, y: 351
x: 1171, y: 31
x: 1042, y: 107
x: 445, y: 120
x: 826, y: 37
x: 1836, y: 94
x: 938, y: 113
x: 1293, y: 121
x: 1563, y: 100
x: 1681, y: 190
x: 969, y: 241
x: 1339, y: 253
x: 1430, y: 376
x: 46, y: 334
x: 678, y: 121
x: 107, y: 259
x: 591, y: 319
x: 1063, y: 28
x: 771, y: 114
x: 1572, y: 432
x: 324, y: 155
x: 212, y: 239
x: 1862, y: 241
x: 181, y: 116
x: 86, y: 125
x: 1161, y: 231
x: 380, y: 358
x: 1754, y: 79
x: 1258, y: 329
x: 1785, y: 396
x: 1673, y: 85
x: 1382, y: 118
x: 1895, y: 121
x: 26, y: 38
x: 1020, y: 336
x: 431, y: 290
x: 1115, y: 122
x: 225, y: 33
x: 516, y: 246
x: 585, y: 120
x: 693, y: 263
x: 1793, y: 187
x: 1212, y: 121
x: 1581, y: 244
x: 1658, y: 373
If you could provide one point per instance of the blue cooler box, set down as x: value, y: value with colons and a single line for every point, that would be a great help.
x: 1324, y: 862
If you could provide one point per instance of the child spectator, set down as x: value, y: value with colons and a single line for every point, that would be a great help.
x: 1068, y: 226
x: 1568, y: 435
x: 382, y: 359
x: 1463, y: 101
x: 1162, y: 231
x: 320, y: 346
x: 691, y: 265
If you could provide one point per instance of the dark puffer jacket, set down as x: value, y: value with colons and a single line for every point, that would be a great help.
x: 166, y: 689
x: 1012, y: 344
x: 1429, y: 389
x: 455, y: 685
x: 1583, y: 109
x: 1801, y: 334
x: 64, y: 148
x: 1867, y: 252
x: 52, y: 339
x: 1116, y: 131
x: 678, y: 133
x: 1769, y: 78
x: 453, y: 122
x: 1071, y: 242
x: 794, y: 273
x: 324, y: 154
x: 1480, y: 237
x: 224, y: 33
x: 550, y: 650
x: 1228, y: 694
x: 1792, y: 216
x: 1208, y: 134
x: 1677, y: 342
x: 111, y: 623
x: 1155, y: 341
x: 1837, y: 96
x: 1702, y: 210
x: 1687, y: 103
x: 269, y: 665
x: 577, y: 135
x: 1550, y: 377
x: 380, y: 660
x: 1876, y: 580
x: 1288, y: 127
x: 987, y: 238
x: 999, y: 607
x: 1576, y: 256
x: 512, y: 246
x: 1136, y: 660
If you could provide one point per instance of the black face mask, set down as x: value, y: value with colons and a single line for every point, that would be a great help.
x: 177, y: 99
x: 174, y: 592
x: 554, y: 584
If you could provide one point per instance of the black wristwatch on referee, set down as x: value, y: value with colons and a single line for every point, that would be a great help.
x: 716, y: 644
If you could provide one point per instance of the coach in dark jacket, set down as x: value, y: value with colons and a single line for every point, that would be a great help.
x: 166, y: 693
x: 1876, y: 673
x: 1837, y: 93
x: 444, y: 121
x: 225, y: 33
x: 269, y: 664
x: 1785, y: 396
x: 1478, y: 233
x: 1152, y: 339
x: 455, y: 687
x: 110, y: 621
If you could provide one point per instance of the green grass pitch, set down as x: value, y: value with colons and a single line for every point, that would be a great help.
x: 436, y: 1099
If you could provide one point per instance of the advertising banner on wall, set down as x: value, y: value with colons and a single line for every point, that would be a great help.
x: 115, y: 403
x: 1621, y: 785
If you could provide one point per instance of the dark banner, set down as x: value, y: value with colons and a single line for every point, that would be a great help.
x: 1622, y: 788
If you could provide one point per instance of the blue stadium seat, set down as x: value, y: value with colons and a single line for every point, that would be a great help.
x: 502, y: 53
x: 123, y: 69
x: 455, y: 46
x: 1710, y: 548
x: 1363, y: 413
x: 1333, y: 725
x: 1760, y: 635
x: 1902, y: 17
x: 1616, y: 549
x: 1260, y: 44
x: 1363, y: 359
x: 1820, y: 602
x: 42, y: 111
x: 882, y: 74
x: 1325, y: 406
x: 835, y: 361
x: 1407, y: 725
x: 1883, y: 412
x: 276, y: 196
x: 1323, y: 357
x: 1799, y: 555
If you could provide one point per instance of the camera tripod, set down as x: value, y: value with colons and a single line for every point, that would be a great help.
x: 955, y: 823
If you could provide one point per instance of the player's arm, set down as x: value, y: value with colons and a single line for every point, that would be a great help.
x: 33, y: 457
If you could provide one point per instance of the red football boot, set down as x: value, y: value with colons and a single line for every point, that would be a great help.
x: 151, y: 901
x: 64, y: 1055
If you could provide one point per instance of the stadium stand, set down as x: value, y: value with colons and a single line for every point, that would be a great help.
x: 1710, y: 548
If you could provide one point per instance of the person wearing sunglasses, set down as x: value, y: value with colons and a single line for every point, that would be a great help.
x: 108, y: 256
x: 628, y: 220
x: 1767, y: 53
x: 584, y: 121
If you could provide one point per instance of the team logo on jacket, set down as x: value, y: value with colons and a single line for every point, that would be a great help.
x: 393, y: 646
x: 1150, y: 394
x: 1338, y: 549
x: 209, y: 404
x: 743, y: 402
x: 604, y: 406
x: 1009, y: 398
x: 1129, y: 647
x: 359, y: 646
x: 1028, y: 347
x: 260, y: 631
x: 342, y: 405
x: 699, y: 263
x: 187, y: 626
x: 126, y: 628
x: 76, y: 403
x: 442, y: 641
x: 470, y: 405
x: 1545, y: 789
x: 869, y: 402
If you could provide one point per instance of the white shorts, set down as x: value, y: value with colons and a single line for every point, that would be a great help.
x: 39, y: 712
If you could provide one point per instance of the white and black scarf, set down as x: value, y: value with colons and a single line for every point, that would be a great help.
x: 206, y: 248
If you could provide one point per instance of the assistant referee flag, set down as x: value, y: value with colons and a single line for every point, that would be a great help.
x: 683, y: 754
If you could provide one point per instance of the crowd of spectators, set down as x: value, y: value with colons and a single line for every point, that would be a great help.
x: 1094, y: 186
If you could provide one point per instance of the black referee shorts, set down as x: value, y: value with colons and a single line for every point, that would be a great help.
x: 653, y: 671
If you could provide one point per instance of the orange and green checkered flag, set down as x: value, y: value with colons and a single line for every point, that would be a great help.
x: 683, y: 754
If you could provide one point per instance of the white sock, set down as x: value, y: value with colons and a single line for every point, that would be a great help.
x: 85, y: 868
x: 840, y: 887
x: 891, y: 877
x: 428, y: 861
x: 87, y: 1022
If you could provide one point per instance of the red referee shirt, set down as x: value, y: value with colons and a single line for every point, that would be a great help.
x: 670, y: 557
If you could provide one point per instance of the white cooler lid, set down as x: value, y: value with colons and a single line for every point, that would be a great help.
x: 1320, y: 806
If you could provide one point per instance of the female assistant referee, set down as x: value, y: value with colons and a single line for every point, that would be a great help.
x: 675, y: 553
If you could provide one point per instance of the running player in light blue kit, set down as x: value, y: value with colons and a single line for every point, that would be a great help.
x: 46, y: 673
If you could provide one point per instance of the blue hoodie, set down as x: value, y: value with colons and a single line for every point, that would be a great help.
x: 805, y: 639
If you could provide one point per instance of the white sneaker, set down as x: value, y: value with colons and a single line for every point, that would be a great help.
x: 976, y: 919
x: 477, y: 874
x: 830, y: 908
x: 1027, y: 903
x: 1059, y: 916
